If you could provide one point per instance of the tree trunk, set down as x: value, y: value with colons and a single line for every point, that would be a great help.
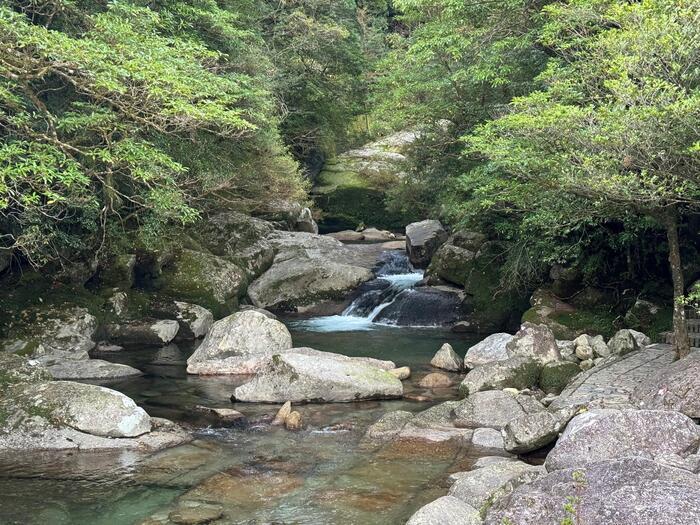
x: 680, y: 327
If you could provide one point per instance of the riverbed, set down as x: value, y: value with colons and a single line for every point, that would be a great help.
x: 324, y: 474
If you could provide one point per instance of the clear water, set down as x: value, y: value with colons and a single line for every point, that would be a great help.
x: 324, y: 474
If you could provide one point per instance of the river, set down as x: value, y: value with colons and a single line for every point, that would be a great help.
x: 324, y: 474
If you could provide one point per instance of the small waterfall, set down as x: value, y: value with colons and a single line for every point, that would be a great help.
x: 394, y: 276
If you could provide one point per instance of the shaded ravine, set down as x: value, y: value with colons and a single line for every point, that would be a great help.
x: 325, y: 473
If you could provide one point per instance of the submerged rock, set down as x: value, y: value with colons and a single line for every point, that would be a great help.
x: 435, y: 380
x: 238, y: 344
x: 306, y: 375
x: 422, y: 241
x: 612, y: 434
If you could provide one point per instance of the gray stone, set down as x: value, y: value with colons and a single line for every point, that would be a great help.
x: 608, y: 434
x: 89, y: 369
x: 422, y: 241
x: 205, y: 279
x: 536, y: 341
x: 515, y: 372
x: 347, y: 236
x: 484, y: 485
x: 447, y: 359
x: 493, y: 348
x: 675, y: 387
x: 149, y: 332
x: 446, y: 510
x: 623, y: 342
x: 195, y: 321
x: 238, y: 344
x: 488, y: 440
x: 436, y: 425
x: 307, y: 269
x: 389, y: 425
x: 611, y: 383
x: 60, y: 332
x: 632, y: 491
x: 303, y: 375
x: 533, y: 431
x: 493, y: 409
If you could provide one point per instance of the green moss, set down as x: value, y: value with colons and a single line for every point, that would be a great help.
x: 600, y: 322
x: 352, y: 206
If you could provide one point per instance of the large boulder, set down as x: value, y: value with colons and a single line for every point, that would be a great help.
x: 205, y: 279
x: 239, y: 238
x: 306, y: 375
x: 238, y: 344
x: 422, y: 241
x: 469, y: 261
x: 483, y: 485
x: 675, y: 387
x: 453, y: 261
x: 491, y: 349
x: 536, y: 341
x: 516, y: 372
x: 38, y: 414
x: 609, y: 434
x: 535, y: 430
x: 446, y: 510
x: 626, y: 491
x: 60, y: 332
x: 494, y: 409
x: 90, y: 408
x: 447, y: 359
x: 307, y: 269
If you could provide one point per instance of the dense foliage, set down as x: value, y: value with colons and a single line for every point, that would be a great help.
x: 130, y: 117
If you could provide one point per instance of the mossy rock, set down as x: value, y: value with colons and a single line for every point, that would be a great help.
x: 556, y: 375
x: 204, y: 279
x: 348, y: 207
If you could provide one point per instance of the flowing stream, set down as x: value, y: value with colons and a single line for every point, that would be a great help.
x: 324, y: 474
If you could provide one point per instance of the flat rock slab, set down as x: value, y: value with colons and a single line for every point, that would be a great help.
x: 611, y: 383
x: 307, y: 375
x: 632, y: 491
